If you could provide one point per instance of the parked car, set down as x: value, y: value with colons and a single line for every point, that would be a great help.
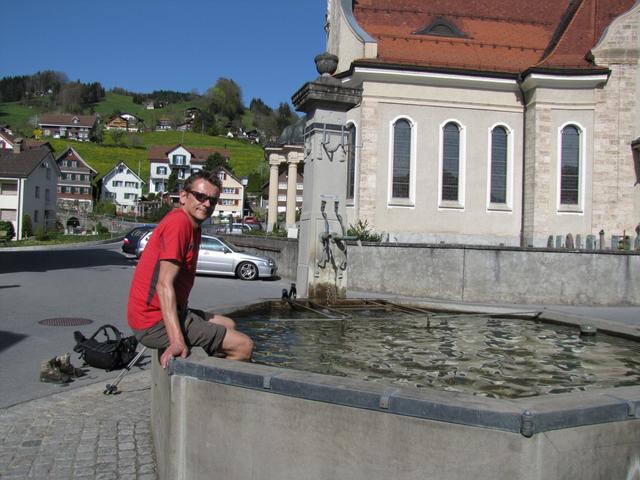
x: 131, y: 239
x: 142, y: 242
x: 234, y: 228
x: 220, y: 258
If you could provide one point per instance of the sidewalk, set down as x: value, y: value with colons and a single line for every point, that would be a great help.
x: 81, y: 433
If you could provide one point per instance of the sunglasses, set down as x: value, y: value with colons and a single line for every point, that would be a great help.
x: 201, y: 197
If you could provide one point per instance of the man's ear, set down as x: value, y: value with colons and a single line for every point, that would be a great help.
x: 182, y: 197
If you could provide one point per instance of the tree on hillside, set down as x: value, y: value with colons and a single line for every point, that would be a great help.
x: 117, y: 136
x: 172, y: 182
x: 92, y: 93
x: 285, y: 117
x: 214, y: 161
x: 70, y: 97
x: 225, y: 98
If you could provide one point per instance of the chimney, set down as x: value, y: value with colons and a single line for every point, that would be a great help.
x: 18, y: 145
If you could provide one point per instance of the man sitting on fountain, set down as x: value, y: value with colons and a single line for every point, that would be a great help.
x: 161, y: 284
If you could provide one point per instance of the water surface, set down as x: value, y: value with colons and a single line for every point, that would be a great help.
x: 499, y: 358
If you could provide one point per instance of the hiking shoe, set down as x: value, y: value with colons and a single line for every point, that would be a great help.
x: 52, y: 374
x: 63, y: 363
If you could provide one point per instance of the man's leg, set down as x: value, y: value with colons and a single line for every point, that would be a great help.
x: 236, y: 345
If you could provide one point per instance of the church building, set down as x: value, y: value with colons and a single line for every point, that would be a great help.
x: 491, y: 122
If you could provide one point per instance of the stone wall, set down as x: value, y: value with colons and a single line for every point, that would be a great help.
x: 497, y: 274
x: 617, y: 125
x: 476, y: 273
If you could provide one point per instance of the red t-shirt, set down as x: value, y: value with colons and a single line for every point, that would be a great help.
x: 173, y: 239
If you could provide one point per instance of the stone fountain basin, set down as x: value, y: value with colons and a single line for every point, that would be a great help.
x: 243, y: 420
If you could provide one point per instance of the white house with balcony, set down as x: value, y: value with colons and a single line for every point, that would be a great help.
x: 28, y: 181
x: 183, y: 160
x: 123, y: 187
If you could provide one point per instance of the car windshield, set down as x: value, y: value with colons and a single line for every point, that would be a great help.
x: 214, y: 243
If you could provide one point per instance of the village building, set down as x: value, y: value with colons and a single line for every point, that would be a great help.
x: 125, y: 122
x: 28, y: 181
x: 494, y: 122
x: 75, y: 190
x: 231, y: 199
x: 123, y: 187
x: 73, y: 127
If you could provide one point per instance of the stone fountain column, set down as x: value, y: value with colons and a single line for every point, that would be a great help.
x: 322, y: 259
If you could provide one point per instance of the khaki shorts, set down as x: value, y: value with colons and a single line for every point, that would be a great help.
x: 196, y: 329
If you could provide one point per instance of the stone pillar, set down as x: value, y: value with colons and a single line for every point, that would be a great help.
x: 292, y: 182
x: 322, y: 259
x: 272, y: 213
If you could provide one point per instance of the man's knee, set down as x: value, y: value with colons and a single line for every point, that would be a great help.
x: 226, y: 322
x: 237, y: 346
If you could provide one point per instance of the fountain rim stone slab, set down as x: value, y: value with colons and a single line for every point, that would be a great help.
x: 527, y: 416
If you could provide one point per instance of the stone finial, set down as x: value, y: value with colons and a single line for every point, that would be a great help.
x: 326, y: 64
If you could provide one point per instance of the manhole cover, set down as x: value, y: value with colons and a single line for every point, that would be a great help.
x: 65, y: 322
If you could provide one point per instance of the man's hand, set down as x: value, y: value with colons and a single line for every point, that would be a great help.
x: 178, y: 349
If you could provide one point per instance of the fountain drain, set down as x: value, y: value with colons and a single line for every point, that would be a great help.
x: 65, y: 322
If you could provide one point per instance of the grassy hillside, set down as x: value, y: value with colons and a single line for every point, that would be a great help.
x: 123, y: 103
x: 245, y: 158
x: 17, y: 114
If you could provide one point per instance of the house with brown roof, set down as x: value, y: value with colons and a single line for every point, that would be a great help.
x: 75, y: 190
x: 183, y: 160
x: 73, y: 127
x: 187, y: 160
x: 124, y: 121
x: 491, y: 122
x: 231, y: 199
x: 28, y: 181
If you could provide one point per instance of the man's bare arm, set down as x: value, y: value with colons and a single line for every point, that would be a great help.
x: 167, y: 295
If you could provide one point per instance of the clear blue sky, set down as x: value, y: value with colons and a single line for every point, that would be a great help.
x: 143, y: 45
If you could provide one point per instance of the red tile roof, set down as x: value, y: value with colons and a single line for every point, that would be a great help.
x: 498, y: 36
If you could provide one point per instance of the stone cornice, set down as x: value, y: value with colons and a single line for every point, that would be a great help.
x: 358, y: 74
x: 538, y: 80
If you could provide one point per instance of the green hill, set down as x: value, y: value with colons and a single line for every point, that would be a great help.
x: 244, y: 158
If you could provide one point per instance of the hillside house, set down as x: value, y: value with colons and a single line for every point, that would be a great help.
x: 231, y: 200
x: 75, y: 190
x: 7, y: 139
x: 125, y: 122
x: 28, y: 180
x: 122, y: 187
x: 165, y: 125
x: 183, y: 160
x: 491, y: 122
x: 73, y: 127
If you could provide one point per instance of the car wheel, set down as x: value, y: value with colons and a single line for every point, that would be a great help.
x: 247, y: 271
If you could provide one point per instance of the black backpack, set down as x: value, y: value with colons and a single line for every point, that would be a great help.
x: 115, y: 351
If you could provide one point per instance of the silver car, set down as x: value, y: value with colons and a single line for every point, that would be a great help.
x: 220, y: 258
